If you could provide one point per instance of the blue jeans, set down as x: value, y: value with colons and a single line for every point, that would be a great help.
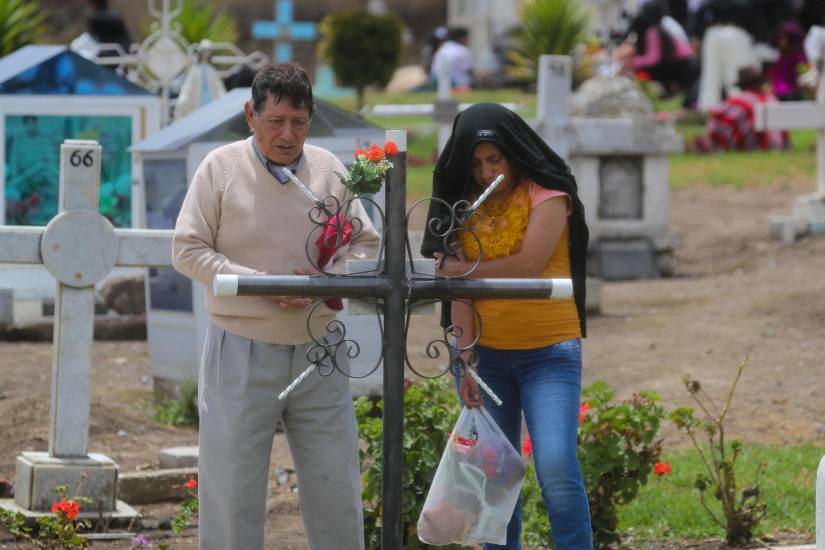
x: 544, y: 384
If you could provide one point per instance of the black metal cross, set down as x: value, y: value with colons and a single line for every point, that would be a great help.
x: 395, y: 292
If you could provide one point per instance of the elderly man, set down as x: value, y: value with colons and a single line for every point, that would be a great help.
x: 242, y: 215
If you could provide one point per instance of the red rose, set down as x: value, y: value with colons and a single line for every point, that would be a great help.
x: 527, y: 447
x: 390, y: 148
x: 375, y: 153
x: 584, y: 408
x: 661, y: 469
x: 192, y: 484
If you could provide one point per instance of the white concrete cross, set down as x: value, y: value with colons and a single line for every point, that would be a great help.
x: 799, y: 115
x: 78, y: 247
x: 808, y: 210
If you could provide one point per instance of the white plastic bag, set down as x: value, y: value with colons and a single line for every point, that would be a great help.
x: 476, y: 485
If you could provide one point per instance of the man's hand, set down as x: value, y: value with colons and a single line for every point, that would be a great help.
x: 290, y: 301
x: 295, y: 301
x: 469, y: 391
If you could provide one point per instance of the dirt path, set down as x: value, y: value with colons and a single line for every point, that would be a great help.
x: 736, y: 292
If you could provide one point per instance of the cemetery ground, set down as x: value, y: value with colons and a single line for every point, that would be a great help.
x: 735, y: 292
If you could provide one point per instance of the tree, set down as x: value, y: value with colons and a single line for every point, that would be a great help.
x: 362, y: 48
x: 21, y: 23
x: 548, y: 27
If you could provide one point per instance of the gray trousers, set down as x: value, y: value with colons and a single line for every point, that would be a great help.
x: 239, y: 383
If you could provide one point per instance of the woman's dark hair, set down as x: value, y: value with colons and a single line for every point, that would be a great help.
x: 282, y: 82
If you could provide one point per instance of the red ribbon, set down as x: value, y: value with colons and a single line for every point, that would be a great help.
x: 336, y: 234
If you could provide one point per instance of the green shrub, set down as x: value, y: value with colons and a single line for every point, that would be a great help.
x: 549, y: 27
x: 618, y: 448
x: 199, y: 20
x: 742, y: 507
x: 21, y: 23
x: 182, y: 411
x: 430, y: 411
x: 58, y: 531
x: 362, y: 48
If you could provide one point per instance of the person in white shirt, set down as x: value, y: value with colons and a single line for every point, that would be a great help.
x: 455, y: 55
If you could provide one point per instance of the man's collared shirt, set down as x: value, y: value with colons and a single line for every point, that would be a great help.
x: 277, y: 170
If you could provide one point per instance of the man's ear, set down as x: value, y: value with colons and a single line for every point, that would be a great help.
x: 249, y: 112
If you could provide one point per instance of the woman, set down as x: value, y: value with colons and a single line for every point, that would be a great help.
x: 791, y: 63
x: 529, y: 352
x: 662, y: 49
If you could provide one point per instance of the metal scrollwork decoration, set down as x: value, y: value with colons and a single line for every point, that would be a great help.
x: 333, y: 229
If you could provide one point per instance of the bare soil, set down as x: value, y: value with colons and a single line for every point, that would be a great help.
x: 735, y: 293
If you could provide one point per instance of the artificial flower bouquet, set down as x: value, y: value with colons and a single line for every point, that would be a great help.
x: 365, y: 176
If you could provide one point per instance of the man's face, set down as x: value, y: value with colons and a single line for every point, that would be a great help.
x: 280, y: 129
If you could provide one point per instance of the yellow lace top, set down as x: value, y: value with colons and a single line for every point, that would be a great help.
x: 520, y: 324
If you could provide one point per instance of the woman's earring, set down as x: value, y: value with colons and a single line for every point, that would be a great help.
x: 252, y: 130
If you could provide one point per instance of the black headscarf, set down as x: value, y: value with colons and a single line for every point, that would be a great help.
x: 529, y: 155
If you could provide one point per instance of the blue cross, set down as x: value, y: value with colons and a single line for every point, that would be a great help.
x: 283, y: 28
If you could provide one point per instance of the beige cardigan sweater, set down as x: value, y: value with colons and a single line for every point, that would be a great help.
x: 238, y: 219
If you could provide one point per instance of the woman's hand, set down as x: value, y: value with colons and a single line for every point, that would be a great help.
x: 449, y: 266
x: 469, y: 391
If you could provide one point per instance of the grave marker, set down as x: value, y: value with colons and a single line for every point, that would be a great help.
x: 808, y: 211
x: 78, y: 247
x: 283, y: 29
x: 396, y: 292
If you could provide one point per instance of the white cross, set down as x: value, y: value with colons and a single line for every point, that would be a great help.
x: 78, y: 247
x: 799, y: 115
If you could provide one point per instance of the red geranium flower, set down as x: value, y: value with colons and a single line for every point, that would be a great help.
x: 192, y: 484
x: 642, y: 76
x: 527, y: 447
x: 661, y: 469
x: 359, y: 152
x: 390, y: 148
x: 69, y: 508
x: 584, y: 408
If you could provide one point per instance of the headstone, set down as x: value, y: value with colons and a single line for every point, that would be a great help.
x: 178, y: 457
x: 619, y: 155
x: 78, y: 248
x: 808, y: 211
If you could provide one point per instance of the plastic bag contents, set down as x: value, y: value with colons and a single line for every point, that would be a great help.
x: 476, y: 485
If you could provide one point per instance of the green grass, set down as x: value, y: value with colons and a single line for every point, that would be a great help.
x: 732, y: 169
x: 669, y: 507
x: 504, y: 95
x: 740, y: 169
